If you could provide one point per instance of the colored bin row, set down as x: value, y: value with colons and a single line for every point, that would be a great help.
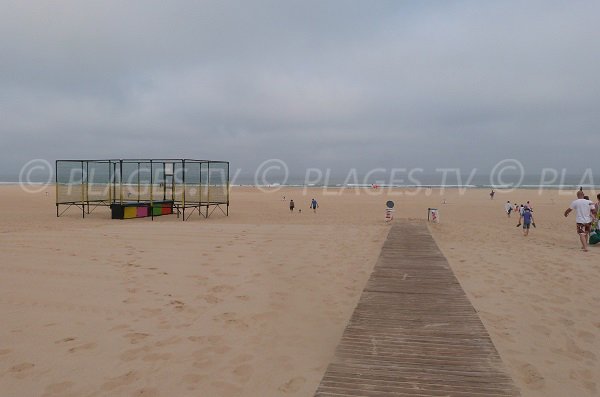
x: 131, y: 210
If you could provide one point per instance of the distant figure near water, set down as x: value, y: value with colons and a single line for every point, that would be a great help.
x: 314, y: 205
x: 492, y: 193
x: 292, y: 205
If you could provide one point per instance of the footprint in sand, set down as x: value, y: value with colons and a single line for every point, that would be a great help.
x: 285, y: 363
x: 146, y: 392
x: 210, y: 352
x: 119, y: 327
x: 85, y: 346
x: 585, y: 377
x: 577, y: 351
x: 222, y: 288
x: 136, y: 337
x: 203, y: 363
x: 212, y: 339
x: 57, y: 389
x: 148, y: 312
x: 178, y: 305
x: 531, y: 376
x: 227, y: 389
x: 152, y: 357
x: 566, y: 321
x: 211, y: 299
x: 134, y: 354
x: 292, y: 385
x: 23, y: 367
x: 192, y: 379
x: 542, y: 329
x: 69, y: 339
x: 585, y: 336
x: 122, y: 380
x: 231, y: 319
x: 164, y: 324
x: 243, y: 372
x: 242, y: 358
x: 169, y: 341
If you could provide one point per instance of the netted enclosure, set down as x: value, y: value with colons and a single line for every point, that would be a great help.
x: 136, y: 188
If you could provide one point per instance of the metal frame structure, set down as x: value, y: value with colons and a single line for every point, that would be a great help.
x: 192, y: 185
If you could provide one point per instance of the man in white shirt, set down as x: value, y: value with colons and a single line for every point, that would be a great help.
x: 583, y: 217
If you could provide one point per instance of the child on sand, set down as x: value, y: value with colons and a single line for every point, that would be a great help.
x: 508, y: 208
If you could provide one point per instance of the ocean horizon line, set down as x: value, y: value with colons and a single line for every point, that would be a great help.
x: 368, y: 186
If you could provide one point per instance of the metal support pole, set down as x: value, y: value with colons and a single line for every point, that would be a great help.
x: 164, y: 181
x: 111, y: 181
x: 138, y: 182
x: 121, y: 182
x: 82, y: 193
x: 183, y: 194
x: 87, y: 185
x: 228, y: 187
x: 56, y: 184
x: 200, y: 191
x: 151, y: 190
x: 115, y: 182
x: 207, y: 187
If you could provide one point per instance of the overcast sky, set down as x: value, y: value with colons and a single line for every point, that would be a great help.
x: 334, y: 84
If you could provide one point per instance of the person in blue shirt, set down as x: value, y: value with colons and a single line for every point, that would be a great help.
x: 314, y: 205
x: 527, y: 221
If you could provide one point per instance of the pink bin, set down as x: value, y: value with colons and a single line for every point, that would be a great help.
x: 142, y: 212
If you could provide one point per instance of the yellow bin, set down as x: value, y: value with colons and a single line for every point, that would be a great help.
x: 130, y: 212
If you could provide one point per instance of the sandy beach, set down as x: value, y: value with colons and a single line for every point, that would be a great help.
x: 254, y: 304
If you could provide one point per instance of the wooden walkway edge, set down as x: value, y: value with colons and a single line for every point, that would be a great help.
x: 414, y: 331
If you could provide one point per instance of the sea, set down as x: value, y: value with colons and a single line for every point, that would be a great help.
x: 354, y: 180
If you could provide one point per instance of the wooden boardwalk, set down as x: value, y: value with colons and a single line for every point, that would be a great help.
x: 414, y: 332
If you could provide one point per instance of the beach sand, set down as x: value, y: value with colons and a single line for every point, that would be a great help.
x: 254, y: 304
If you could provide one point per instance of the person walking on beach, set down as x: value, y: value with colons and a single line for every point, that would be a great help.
x: 597, y: 208
x: 492, y: 194
x: 583, y: 218
x: 292, y: 205
x: 521, y: 210
x: 527, y: 221
x: 508, y: 208
x: 314, y: 205
x: 596, y: 216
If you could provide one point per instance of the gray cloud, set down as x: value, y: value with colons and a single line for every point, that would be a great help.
x: 318, y: 84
